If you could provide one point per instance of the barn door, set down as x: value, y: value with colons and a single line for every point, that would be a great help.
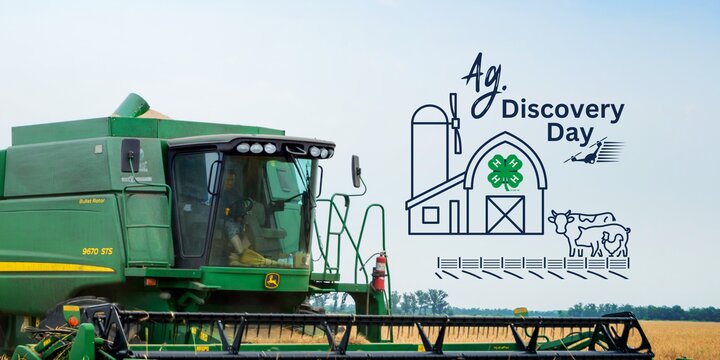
x: 505, y: 214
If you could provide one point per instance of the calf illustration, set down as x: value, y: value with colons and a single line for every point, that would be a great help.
x: 566, y: 225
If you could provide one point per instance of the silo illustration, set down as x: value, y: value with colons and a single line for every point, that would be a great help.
x: 430, y: 138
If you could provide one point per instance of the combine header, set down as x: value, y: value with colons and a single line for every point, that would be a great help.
x: 135, y: 236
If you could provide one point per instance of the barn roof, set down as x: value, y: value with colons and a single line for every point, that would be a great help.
x: 514, y: 141
x: 468, y: 175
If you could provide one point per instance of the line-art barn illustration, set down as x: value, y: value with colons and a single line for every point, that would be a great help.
x: 477, y: 201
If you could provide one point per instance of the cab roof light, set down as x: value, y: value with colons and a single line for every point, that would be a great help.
x: 243, y: 148
x: 256, y: 148
x: 270, y: 148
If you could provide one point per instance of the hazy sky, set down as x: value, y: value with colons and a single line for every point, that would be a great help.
x: 354, y: 72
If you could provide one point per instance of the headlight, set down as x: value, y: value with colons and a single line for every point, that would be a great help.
x: 243, y: 147
x: 270, y: 148
x: 314, y: 151
x: 256, y: 148
x: 324, y: 153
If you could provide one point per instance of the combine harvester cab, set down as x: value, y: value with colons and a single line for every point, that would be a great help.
x: 138, y: 236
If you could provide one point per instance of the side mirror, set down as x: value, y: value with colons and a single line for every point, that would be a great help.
x: 130, y: 151
x: 356, y: 171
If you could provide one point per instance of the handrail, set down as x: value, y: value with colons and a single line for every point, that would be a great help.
x: 384, y: 250
x: 344, y: 229
x: 359, y: 264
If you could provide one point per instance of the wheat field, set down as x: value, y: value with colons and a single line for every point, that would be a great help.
x: 669, y: 339
x: 672, y: 339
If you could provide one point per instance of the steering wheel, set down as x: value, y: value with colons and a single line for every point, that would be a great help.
x: 241, y: 207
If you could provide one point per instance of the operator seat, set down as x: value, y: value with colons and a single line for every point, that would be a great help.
x: 265, y: 240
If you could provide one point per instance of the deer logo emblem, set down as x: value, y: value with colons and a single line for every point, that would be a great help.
x: 272, y: 280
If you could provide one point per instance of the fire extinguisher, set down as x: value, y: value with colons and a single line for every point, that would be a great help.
x: 379, y: 272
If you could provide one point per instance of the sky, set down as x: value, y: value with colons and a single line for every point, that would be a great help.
x: 354, y: 73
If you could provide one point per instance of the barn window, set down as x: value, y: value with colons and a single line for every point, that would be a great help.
x: 431, y: 215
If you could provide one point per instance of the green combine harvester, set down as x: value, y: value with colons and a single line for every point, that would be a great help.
x: 135, y: 236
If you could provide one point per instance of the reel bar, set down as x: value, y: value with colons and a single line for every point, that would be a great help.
x: 367, y: 320
x: 111, y: 323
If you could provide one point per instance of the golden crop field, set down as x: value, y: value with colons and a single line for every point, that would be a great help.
x: 669, y: 339
x: 695, y: 340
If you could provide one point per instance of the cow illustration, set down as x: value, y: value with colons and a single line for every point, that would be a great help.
x: 568, y: 224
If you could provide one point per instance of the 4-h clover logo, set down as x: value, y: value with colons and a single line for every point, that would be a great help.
x: 505, y: 171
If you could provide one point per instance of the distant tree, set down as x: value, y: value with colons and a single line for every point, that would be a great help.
x: 649, y: 312
x: 409, y: 304
x: 438, y: 304
x: 423, y: 301
x: 396, y: 302
x: 334, y: 302
x: 319, y: 300
x: 591, y: 310
x: 343, y: 304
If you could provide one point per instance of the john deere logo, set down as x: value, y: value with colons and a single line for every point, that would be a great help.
x: 272, y: 280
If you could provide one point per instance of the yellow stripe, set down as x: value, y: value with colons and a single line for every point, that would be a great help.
x: 17, y: 266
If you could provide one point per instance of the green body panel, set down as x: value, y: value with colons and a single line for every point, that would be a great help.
x: 78, y: 166
x: 126, y: 127
x: 3, y: 156
x: 253, y: 279
x: 189, y: 274
x: 226, y: 278
x: 48, y: 232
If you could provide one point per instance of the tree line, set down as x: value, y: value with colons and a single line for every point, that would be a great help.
x: 649, y: 312
x: 431, y: 302
x: 434, y: 302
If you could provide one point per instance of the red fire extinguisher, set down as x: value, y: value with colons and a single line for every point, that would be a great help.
x: 379, y: 272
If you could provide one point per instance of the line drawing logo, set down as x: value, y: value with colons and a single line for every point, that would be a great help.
x: 494, y: 268
x: 472, y: 202
x: 595, y: 231
x: 501, y: 189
